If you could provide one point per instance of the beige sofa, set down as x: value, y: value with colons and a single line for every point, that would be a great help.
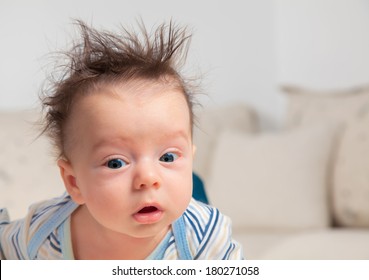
x: 301, y: 193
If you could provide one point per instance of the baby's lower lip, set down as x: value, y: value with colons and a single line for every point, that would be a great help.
x: 148, y: 216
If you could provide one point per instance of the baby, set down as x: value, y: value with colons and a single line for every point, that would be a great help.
x: 121, y: 118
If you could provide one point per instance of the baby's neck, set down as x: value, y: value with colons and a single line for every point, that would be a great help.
x: 90, y: 244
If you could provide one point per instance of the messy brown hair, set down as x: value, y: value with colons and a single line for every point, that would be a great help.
x: 104, y: 57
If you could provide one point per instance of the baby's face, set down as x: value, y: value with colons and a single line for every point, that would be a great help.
x: 130, y: 152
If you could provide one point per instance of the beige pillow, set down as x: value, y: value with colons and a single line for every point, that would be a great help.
x: 350, y: 180
x: 273, y: 181
x: 309, y: 107
x: 210, y: 123
x: 351, y: 176
x: 28, y: 172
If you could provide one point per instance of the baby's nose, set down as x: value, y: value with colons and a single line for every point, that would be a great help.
x: 146, y: 177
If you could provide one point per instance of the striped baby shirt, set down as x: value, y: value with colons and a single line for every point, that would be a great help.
x: 202, y: 232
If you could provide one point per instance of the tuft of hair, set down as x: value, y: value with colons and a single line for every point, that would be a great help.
x: 105, y: 57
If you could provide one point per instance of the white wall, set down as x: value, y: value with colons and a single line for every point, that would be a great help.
x: 244, y: 48
x: 322, y: 44
x: 232, y: 44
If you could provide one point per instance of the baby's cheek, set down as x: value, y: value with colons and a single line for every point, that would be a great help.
x: 105, y: 208
x: 184, y: 197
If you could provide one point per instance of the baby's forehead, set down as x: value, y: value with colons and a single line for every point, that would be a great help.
x: 140, y: 91
x: 133, y: 105
x: 140, y: 96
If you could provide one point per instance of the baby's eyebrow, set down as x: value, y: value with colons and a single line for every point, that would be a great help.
x: 104, y: 142
x: 180, y: 133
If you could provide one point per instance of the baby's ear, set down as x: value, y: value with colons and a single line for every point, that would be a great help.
x: 194, y: 150
x: 70, y: 182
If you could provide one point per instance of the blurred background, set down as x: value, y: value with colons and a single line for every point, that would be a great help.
x: 283, y: 140
x: 244, y: 49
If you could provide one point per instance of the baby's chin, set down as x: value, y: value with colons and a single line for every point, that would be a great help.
x: 151, y: 231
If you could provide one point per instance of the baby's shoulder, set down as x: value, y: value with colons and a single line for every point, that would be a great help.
x: 201, y: 214
x: 37, y: 220
x: 203, y: 217
x: 36, y: 212
x: 209, y: 233
x: 44, y: 209
x: 203, y: 222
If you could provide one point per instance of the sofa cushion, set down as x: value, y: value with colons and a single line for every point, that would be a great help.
x: 351, y: 176
x: 210, y: 123
x: 331, y: 244
x: 309, y: 107
x: 28, y: 172
x: 256, y: 243
x: 272, y: 181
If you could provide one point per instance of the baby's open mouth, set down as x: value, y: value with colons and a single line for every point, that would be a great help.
x: 148, y: 214
x: 148, y: 209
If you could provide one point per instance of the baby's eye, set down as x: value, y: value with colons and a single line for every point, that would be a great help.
x: 168, y: 157
x: 116, y: 163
